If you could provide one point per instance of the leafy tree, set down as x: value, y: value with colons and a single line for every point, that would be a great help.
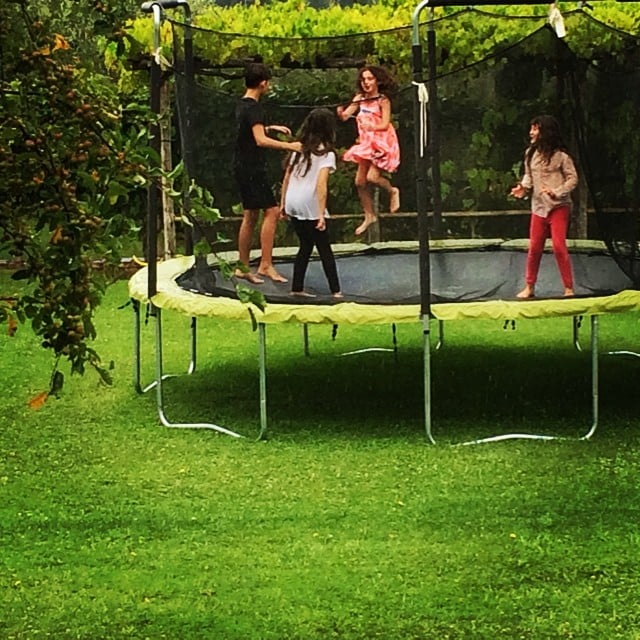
x: 72, y: 160
x: 75, y: 163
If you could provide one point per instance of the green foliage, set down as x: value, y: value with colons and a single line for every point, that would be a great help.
x: 292, y: 30
x: 69, y: 169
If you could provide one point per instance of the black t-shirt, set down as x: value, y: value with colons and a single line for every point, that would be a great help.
x: 248, y: 155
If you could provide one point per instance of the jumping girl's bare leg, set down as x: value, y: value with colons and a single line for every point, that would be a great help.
x: 267, y: 237
x: 365, y: 197
x: 375, y: 177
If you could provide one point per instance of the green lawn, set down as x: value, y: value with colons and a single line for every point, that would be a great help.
x: 346, y: 523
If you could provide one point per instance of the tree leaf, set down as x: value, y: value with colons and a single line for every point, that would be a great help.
x: 37, y: 402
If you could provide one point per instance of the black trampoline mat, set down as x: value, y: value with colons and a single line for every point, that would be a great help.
x: 387, y: 277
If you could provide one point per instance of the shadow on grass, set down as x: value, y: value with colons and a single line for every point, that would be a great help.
x: 475, y: 391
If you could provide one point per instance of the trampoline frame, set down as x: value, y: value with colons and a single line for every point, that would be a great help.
x: 171, y: 297
x: 421, y: 115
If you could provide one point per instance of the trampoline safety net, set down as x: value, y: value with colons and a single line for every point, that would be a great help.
x: 484, y: 102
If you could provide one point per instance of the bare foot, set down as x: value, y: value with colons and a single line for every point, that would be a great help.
x: 568, y: 292
x: 248, y: 276
x: 394, y: 200
x: 303, y: 294
x: 367, y: 222
x: 527, y: 292
x: 338, y: 295
x: 272, y: 274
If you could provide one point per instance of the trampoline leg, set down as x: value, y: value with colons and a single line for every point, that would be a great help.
x: 440, y: 342
x: 594, y: 401
x: 305, y: 338
x: 577, y: 322
x: 192, y: 363
x: 623, y: 353
x: 137, y: 357
x: 159, y: 388
x: 136, y: 346
x: 262, y: 356
x: 426, y: 344
x: 394, y: 340
x: 594, y: 378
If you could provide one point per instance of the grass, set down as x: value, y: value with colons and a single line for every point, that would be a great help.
x: 345, y: 524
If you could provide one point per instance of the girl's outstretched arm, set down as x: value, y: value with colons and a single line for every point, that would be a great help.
x: 344, y: 113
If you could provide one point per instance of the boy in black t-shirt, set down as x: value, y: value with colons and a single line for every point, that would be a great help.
x: 249, y: 166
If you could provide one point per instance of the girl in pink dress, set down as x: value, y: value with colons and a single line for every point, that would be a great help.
x: 377, y: 148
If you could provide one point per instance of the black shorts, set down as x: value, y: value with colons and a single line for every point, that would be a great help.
x: 255, y: 190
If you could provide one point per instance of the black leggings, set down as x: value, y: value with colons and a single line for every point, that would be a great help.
x: 311, y: 237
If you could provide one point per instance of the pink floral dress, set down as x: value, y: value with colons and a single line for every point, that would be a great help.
x: 381, y: 148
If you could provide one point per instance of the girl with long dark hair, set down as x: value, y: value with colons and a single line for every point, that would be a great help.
x: 549, y: 177
x: 304, y: 198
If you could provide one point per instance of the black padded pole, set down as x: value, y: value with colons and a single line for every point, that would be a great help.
x: 153, y: 193
x: 421, y: 186
x: 434, y: 133
x: 187, y: 134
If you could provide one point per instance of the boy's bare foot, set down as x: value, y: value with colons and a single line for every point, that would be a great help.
x: 272, y: 274
x: 527, y: 292
x: 303, y: 294
x: 248, y: 276
x: 338, y: 295
x: 568, y: 292
x: 366, y: 223
x: 394, y: 200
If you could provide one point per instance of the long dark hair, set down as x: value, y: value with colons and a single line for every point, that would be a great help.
x: 387, y: 86
x: 549, y: 140
x: 318, y: 136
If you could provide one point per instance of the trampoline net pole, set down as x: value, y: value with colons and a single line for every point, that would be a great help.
x: 421, y: 172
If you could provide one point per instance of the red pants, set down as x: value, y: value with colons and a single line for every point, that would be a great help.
x: 557, y: 222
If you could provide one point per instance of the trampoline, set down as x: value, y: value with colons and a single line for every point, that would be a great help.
x: 380, y: 284
x: 411, y: 282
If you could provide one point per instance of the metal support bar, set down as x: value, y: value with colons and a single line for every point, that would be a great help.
x: 479, y: 3
x: 192, y: 363
x: 160, y: 377
x: 577, y: 323
x: 148, y: 7
x: 262, y: 357
x: 440, y: 342
x: 394, y: 339
x: 623, y: 353
x: 426, y: 359
x: 137, y: 358
x: 305, y: 338
x: 595, y: 378
x: 594, y: 402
